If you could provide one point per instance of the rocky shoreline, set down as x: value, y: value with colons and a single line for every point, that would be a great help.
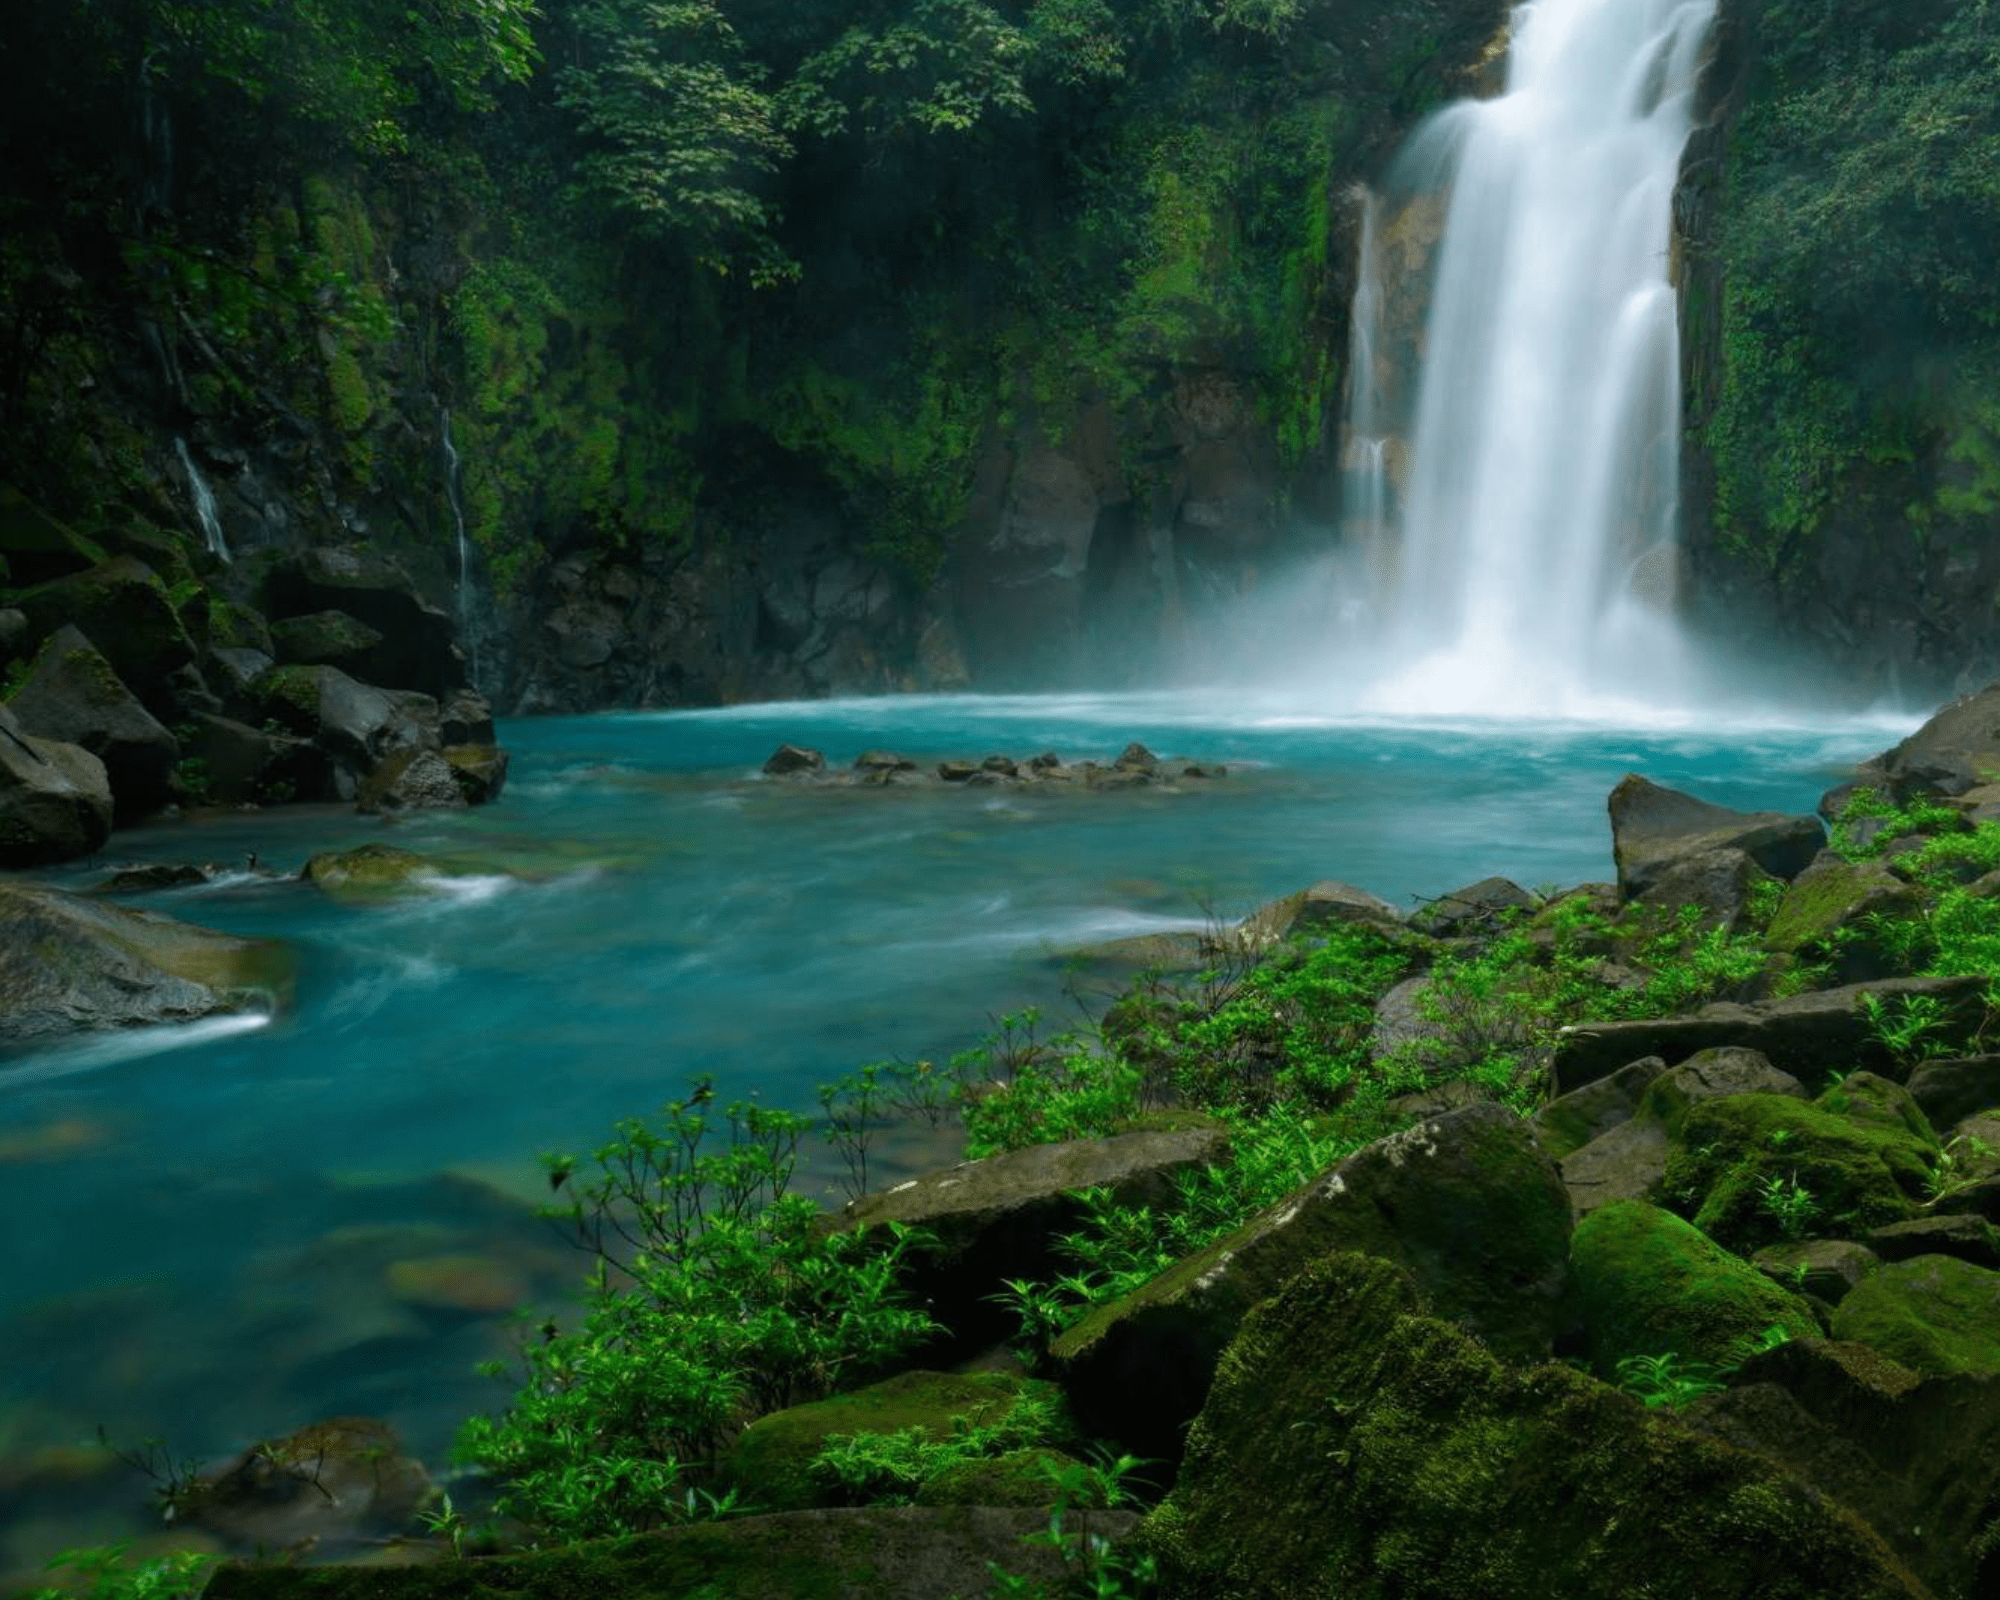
x: 1715, y: 1317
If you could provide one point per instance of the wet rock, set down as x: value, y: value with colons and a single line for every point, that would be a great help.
x: 1376, y: 1449
x: 1652, y: 828
x: 465, y: 718
x: 1325, y: 905
x: 368, y: 871
x: 462, y: 1284
x: 337, y: 1482
x: 55, y: 799
x: 999, y: 1218
x: 72, y: 695
x: 1958, y: 749
x: 1137, y: 758
x: 149, y: 880
x: 410, y: 780
x: 480, y: 770
x: 1466, y: 1201
x: 1807, y: 1035
x: 789, y: 760
x: 874, y: 761
x: 356, y: 724
x: 70, y: 964
x: 956, y: 771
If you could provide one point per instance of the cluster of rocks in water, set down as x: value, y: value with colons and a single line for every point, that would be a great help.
x: 1134, y: 767
x: 342, y: 684
x: 1400, y: 1380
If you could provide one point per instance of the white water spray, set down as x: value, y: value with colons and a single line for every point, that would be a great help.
x: 204, y: 503
x: 451, y: 495
x: 1532, y: 546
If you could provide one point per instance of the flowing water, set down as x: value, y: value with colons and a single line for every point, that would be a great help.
x: 221, y: 1233
x: 1533, y: 546
x: 204, y: 503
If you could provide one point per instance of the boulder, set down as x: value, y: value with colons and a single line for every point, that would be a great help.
x: 123, y: 608
x: 1355, y: 1446
x: 1466, y: 1202
x: 1652, y: 828
x: 356, y: 724
x: 35, y: 546
x: 870, y: 761
x: 1931, y: 1313
x: 480, y: 769
x: 1324, y: 905
x: 1958, y: 749
x: 865, y: 1553
x: 231, y: 763
x: 55, y: 798
x: 1822, y: 1269
x: 73, y: 695
x: 1642, y: 1282
x: 1832, y: 911
x: 1571, y: 1121
x: 790, y: 760
x: 999, y: 1218
x: 417, y: 649
x: 345, y: 1482
x: 1722, y: 884
x: 1478, y: 908
x: 1970, y: 1239
x: 770, y: 1463
x: 464, y: 717
x: 1951, y: 1090
x: 329, y: 639
x: 410, y: 780
x: 367, y: 872
x: 1136, y: 757
x: 70, y: 964
x: 1807, y: 1035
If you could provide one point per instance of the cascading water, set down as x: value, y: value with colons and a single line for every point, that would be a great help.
x: 204, y: 503
x: 1530, y: 549
x: 451, y: 495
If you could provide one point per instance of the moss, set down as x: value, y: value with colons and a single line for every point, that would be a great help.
x: 1354, y: 1446
x: 291, y: 695
x: 1934, y: 1314
x: 1861, y: 1171
x: 369, y: 872
x: 1644, y: 1283
x: 1018, y: 1478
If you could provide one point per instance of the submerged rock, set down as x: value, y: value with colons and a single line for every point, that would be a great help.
x: 367, y: 871
x: 70, y: 964
x: 344, y: 1480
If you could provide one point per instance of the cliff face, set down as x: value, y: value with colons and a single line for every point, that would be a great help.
x: 1009, y: 436
x: 1841, y: 333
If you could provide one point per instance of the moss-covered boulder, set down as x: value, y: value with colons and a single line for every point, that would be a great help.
x: 1932, y: 1313
x: 72, y: 694
x: 479, y: 769
x: 1017, y: 1478
x: 124, y: 609
x: 1643, y: 1282
x: 1571, y: 1121
x: 409, y: 780
x: 415, y: 648
x: 771, y: 1464
x: 1466, y: 1201
x: 1354, y: 1448
x: 1824, y: 1269
x: 328, y: 639
x: 870, y: 1553
x: 367, y: 872
x: 1758, y: 1168
x: 70, y: 963
x: 55, y: 798
x: 1832, y: 912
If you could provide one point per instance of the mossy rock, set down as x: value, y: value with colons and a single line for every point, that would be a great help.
x: 1826, y: 914
x: 1355, y: 1448
x: 1863, y: 1165
x: 1643, y: 1282
x: 325, y: 638
x: 1018, y: 1478
x: 1934, y: 1314
x: 771, y: 1464
x: 124, y: 609
x: 370, y: 871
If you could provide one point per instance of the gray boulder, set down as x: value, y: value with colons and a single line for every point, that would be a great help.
x: 71, y: 964
x: 1721, y: 883
x: 1477, y: 908
x: 1831, y: 912
x: 356, y: 724
x: 1956, y: 751
x: 55, y: 798
x: 1652, y: 828
x: 417, y: 648
x: 1822, y: 1269
x: 330, y: 639
x: 124, y: 608
x: 73, y: 695
x: 1949, y: 1091
x: 1324, y: 905
x: 410, y: 780
x: 1571, y: 1121
x: 232, y: 763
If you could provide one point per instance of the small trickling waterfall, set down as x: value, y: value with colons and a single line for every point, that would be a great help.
x: 463, y: 591
x: 1526, y: 562
x: 204, y: 503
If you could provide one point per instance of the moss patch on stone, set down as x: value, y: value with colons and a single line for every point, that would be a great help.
x: 1934, y: 1314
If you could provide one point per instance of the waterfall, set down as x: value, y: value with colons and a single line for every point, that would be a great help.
x: 1533, y: 537
x: 449, y: 450
x: 204, y: 503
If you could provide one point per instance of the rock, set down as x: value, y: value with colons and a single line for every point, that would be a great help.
x: 235, y: 671
x: 368, y: 872
x: 345, y: 1481
x: 1628, y: 1161
x: 1136, y: 757
x: 789, y: 760
x: 1970, y: 1239
x: 866, y: 1553
x: 883, y: 761
x: 1951, y: 1090
x: 1478, y: 908
x: 327, y: 639
x: 1858, y: 1175
x: 409, y: 780
x: 1017, y: 1478
x: 461, y: 1284
x: 464, y: 717
x: 999, y: 1218
x: 770, y: 1463
x: 55, y: 799
x: 1932, y: 1314
x: 1466, y: 1201
x: 1832, y: 911
x: 37, y: 546
x: 1145, y: 952
x: 1652, y: 828
x: 1824, y: 1269
x: 123, y: 608
x: 1377, y: 1451
x: 73, y: 964
x: 416, y: 648
x: 356, y: 724
x: 72, y: 695
x: 1956, y: 750
x: 150, y: 880
x: 479, y: 769
x: 1000, y: 766
x: 1570, y: 1122
x: 1721, y: 884
x: 956, y: 771
x: 1324, y: 905
x: 231, y: 763
x: 13, y: 631
x: 1643, y: 1283
x: 1807, y: 1035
